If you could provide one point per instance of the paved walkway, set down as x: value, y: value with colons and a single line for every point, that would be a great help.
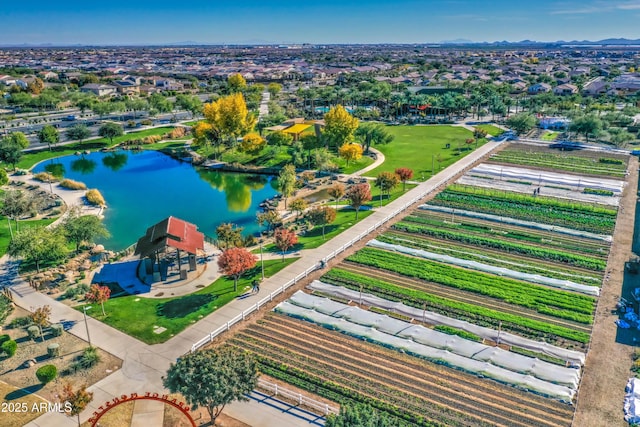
x: 143, y: 365
x: 379, y: 160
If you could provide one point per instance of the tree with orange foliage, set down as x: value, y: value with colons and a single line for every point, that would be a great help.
x: 322, y: 216
x: 336, y: 191
x: 405, y: 174
x: 98, y: 294
x: 74, y: 402
x: 358, y: 195
x: 284, y: 239
x: 234, y: 262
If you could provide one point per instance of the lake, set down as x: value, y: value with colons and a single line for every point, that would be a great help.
x: 142, y: 188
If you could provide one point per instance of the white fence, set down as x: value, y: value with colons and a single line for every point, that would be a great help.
x: 299, y: 398
x: 441, y: 180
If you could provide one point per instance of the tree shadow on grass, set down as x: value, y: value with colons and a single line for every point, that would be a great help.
x: 180, y: 307
x: 17, y: 394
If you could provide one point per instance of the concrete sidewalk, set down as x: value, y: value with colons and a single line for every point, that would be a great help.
x: 143, y: 365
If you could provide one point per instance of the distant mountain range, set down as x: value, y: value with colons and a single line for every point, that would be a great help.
x: 604, y: 42
x: 456, y: 42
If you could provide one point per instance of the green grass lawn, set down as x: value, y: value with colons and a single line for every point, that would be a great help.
x: 345, y: 218
x: 178, y: 313
x: 550, y: 136
x: 31, y: 158
x: 166, y: 145
x: 5, y: 235
x: 417, y: 148
x: 362, y: 163
x: 491, y: 129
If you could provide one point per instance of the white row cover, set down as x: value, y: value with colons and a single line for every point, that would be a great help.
x: 502, y: 365
x: 500, y: 271
x: 499, y: 259
x: 507, y: 220
x: 632, y: 401
x: 546, y: 177
x: 572, y: 356
x: 553, y: 191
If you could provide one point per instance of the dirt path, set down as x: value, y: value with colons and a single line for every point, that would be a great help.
x: 607, y: 366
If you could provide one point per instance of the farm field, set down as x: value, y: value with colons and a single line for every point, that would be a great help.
x: 415, y: 391
x: 453, y: 302
x: 580, y: 162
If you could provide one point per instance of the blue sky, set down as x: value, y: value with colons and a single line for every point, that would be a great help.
x: 328, y: 21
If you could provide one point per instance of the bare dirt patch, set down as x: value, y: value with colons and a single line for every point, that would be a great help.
x: 607, y: 365
x: 13, y: 372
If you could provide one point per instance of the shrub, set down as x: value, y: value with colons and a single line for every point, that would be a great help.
x: 20, y: 322
x: 34, y: 332
x: 610, y: 161
x: 72, y: 185
x: 151, y: 139
x: 4, y: 338
x: 75, y: 291
x: 178, y: 132
x: 47, y: 373
x: 56, y: 329
x: 95, y: 197
x: 6, y: 307
x: 45, y: 177
x: 53, y: 350
x: 89, y: 358
x: 9, y: 347
x: 146, y: 122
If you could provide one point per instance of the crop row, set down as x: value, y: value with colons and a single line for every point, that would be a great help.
x: 342, y: 386
x: 502, y: 259
x: 404, y: 384
x: 576, y: 260
x: 482, y: 316
x: 528, y: 199
x: 584, y: 221
x: 595, y: 166
x: 562, y: 304
x: 513, y: 233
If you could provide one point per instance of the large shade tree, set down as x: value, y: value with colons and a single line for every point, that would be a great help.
x: 110, y: 130
x: 49, y: 135
x: 81, y: 229
x: 339, y: 126
x: 229, y: 116
x: 38, y: 245
x: 78, y: 132
x: 213, y: 378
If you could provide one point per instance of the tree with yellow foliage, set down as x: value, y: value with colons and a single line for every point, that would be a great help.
x: 350, y: 151
x: 339, y: 126
x: 229, y: 116
x: 204, y: 135
x: 236, y: 83
x: 252, y: 143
